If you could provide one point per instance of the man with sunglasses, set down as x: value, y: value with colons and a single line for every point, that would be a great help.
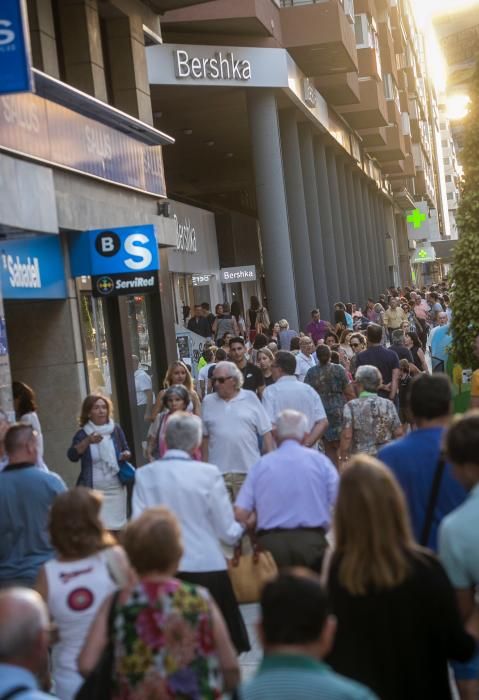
x: 233, y: 420
x: 26, y: 495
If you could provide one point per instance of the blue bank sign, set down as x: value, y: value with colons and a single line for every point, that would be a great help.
x: 15, y: 68
x: 119, y: 260
x: 32, y: 268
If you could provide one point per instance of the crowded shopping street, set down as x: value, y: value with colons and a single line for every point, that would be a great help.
x: 239, y: 350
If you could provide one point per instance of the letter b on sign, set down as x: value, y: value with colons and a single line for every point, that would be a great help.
x: 107, y: 243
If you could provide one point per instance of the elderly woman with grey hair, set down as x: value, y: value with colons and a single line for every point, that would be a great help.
x: 370, y: 421
x: 233, y: 420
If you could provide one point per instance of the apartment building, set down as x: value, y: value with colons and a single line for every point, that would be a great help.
x: 452, y: 169
x: 305, y: 126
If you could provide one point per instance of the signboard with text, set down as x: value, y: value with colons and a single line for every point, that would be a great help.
x: 15, y: 64
x: 120, y: 260
x: 51, y: 133
x: 243, y: 273
x: 32, y: 268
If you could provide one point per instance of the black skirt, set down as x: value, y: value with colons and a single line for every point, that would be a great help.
x: 219, y: 585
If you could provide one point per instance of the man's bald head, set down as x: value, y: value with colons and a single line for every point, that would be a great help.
x: 24, y: 626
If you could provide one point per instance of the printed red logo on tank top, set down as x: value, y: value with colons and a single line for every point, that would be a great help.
x: 80, y: 599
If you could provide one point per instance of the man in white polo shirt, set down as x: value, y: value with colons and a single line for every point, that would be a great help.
x: 144, y: 396
x: 234, y: 421
x: 289, y: 393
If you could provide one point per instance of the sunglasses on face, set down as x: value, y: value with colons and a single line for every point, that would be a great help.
x: 221, y: 380
x: 354, y: 345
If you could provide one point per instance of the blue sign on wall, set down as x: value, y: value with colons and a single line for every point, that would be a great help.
x: 42, y: 129
x: 119, y: 260
x: 15, y: 68
x: 32, y: 268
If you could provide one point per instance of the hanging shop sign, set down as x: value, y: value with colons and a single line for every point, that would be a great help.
x: 15, y: 61
x: 244, y: 273
x: 51, y: 133
x: 200, y: 280
x: 32, y: 268
x: 119, y: 260
x: 424, y: 254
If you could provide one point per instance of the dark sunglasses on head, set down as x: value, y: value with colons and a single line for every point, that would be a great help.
x: 221, y: 380
x: 354, y: 345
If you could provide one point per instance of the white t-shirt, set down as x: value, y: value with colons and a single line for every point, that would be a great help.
x: 76, y: 591
x: 203, y: 376
x: 289, y: 393
x: 142, y: 385
x: 303, y: 364
x: 232, y: 428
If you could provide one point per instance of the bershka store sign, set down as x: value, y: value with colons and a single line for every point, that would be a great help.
x: 220, y: 66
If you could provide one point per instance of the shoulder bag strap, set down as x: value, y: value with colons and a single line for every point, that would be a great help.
x: 433, y: 496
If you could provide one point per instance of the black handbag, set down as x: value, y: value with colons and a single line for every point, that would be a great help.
x: 97, y: 685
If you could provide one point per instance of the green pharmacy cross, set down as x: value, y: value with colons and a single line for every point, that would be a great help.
x: 422, y: 254
x: 416, y: 218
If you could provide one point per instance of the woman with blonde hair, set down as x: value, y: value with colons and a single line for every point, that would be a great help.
x: 264, y: 360
x: 398, y: 622
x: 76, y: 582
x: 170, y: 640
x: 178, y: 373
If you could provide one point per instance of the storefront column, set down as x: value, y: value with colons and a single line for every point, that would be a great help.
x: 338, y: 226
x: 327, y: 226
x: 306, y: 146
x: 363, y: 238
x: 371, y: 239
x: 379, y: 240
x: 358, y: 252
x: 382, y: 240
x: 298, y: 222
x: 351, y: 260
x: 272, y: 207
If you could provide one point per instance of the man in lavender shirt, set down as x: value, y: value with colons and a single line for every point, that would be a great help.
x: 316, y: 328
x: 293, y: 491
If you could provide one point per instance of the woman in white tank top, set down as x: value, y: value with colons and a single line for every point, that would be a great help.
x: 86, y: 570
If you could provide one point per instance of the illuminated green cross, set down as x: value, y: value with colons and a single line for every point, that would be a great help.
x: 416, y: 218
x: 422, y: 253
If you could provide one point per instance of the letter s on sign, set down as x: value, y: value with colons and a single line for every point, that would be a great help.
x: 7, y: 36
x: 134, y: 247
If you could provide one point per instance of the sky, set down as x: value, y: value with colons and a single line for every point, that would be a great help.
x: 425, y: 11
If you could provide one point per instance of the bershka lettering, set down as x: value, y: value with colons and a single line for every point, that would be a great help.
x: 23, y: 275
x: 220, y: 66
x: 137, y: 283
x: 241, y: 275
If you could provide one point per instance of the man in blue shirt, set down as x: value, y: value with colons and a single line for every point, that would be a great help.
x: 26, y: 495
x: 297, y: 632
x: 24, y: 639
x: 414, y: 458
x: 458, y: 533
x: 440, y: 344
x: 293, y: 491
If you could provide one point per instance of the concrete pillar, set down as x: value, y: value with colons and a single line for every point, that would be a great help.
x: 82, y: 49
x: 272, y: 207
x: 42, y: 37
x: 351, y: 260
x: 374, y: 226
x: 306, y: 145
x: 298, y: 221
x: 341, y: 260
x: 327, y: 227
x: 382, y: 239
x: 358, y: 253
x: 371, y: 240
x: 363, y: 238
x: 128, y: 72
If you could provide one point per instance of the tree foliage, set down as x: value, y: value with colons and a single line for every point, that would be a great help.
x: 465, y: 269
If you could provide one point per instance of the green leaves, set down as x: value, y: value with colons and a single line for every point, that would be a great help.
x: 465, y: 269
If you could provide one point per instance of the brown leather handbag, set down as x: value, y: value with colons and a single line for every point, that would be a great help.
x: 250, y: 572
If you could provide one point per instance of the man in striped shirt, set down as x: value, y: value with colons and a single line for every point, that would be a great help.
x: 297, y: 632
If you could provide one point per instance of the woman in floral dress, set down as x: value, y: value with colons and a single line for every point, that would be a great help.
x: 332, y: 384
x: 170, y: 640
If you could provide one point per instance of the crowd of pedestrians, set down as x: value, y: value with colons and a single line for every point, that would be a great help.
x: 333, y: 450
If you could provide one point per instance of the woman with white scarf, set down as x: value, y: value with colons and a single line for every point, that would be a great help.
x: 100, y: 444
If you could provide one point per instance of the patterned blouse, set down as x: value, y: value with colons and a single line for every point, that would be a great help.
x: 164, y: 644
x: 373, y: 421
x: 330, y: 381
